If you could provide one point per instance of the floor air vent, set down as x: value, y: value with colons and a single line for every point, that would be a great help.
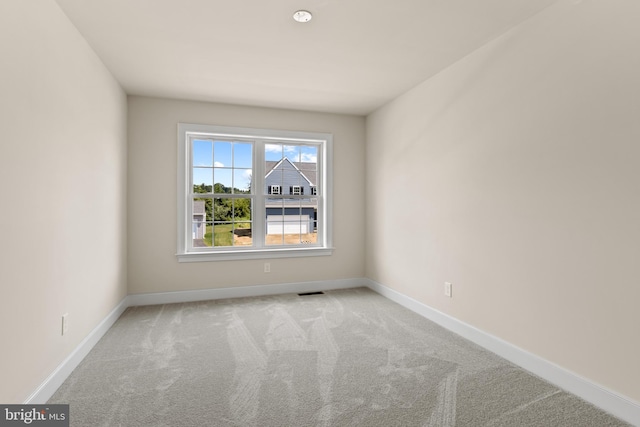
x: 310, y: 293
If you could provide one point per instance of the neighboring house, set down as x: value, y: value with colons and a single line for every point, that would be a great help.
x: 291, y: 215
x: 285, y: 215
x: 199, y: 224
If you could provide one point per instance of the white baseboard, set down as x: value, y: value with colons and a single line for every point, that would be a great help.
x: 243, y: 291
x: 620, y: 406
x: 60, y: 374
x: 607, y: 400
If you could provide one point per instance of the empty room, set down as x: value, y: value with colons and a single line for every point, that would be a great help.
x: 320, y: 213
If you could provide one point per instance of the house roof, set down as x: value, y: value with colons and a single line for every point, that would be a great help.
x: 198, y: 207
x: 307, y: 169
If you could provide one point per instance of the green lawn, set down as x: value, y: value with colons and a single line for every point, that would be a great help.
x: 224, y: 233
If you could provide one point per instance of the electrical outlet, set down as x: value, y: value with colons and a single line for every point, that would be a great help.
x: 65, y: 323
x: 267, y: 267
x: 448, y: 291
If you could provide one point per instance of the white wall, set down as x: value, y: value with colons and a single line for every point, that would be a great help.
x: 153, y: 266
x: 514, y: 174
x: 63, y: 187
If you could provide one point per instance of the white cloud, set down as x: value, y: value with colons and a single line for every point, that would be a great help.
x: 310, y: 158
x: 271, y: 148
x: 278, y: 148
x: 218, y: 164
x: 295, y: 153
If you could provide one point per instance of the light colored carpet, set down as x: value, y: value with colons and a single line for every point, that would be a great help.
x: 345, y: 358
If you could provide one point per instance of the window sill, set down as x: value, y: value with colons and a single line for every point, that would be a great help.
x: 253, y: 254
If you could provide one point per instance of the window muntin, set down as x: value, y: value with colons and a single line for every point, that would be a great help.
x: 227, y: 215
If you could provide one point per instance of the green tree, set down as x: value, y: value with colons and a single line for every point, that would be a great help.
x: 208, y: 202
x: 221, y: 189
x: 222, y: 210
x: 242, y: 209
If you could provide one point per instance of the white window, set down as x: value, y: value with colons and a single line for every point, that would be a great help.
x: 274, y: 189
x: 230, y: 199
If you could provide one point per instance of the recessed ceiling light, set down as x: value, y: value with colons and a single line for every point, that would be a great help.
x: 302, y: 16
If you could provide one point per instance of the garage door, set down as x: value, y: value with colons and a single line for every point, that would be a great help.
x: 287, y: 224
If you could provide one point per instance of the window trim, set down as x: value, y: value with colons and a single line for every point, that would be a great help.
x: 325, y: 160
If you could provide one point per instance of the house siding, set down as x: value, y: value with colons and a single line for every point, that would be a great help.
x: 286, y: 175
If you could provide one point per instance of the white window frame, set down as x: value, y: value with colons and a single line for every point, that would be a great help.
x: 297, y: 190
x: 276, y: 190
x: 260, y: 137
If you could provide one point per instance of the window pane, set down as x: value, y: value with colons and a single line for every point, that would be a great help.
x: 202, y: 153
x: 242, y: 234
x: 309, y: 154
x: 242, y: 210
x: 201, y: 222
x: 222, y: 234
x: 274, y: 216
x: 242, y: 181
x: 272, y: 152
x: 232, y: 222
x: 273, y: 178
x: 310, y: 207
x: 242, y: 155
x: 292, y: 152
x: 290, y: 176
x: 222, y: 154
x: 203, y: 176
x: 223, y: 180
x: 242, y: 227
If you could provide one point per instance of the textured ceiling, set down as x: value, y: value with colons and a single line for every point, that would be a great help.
x: 354, y: 56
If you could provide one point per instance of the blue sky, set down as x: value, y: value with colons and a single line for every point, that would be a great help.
x: 230, y: 163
